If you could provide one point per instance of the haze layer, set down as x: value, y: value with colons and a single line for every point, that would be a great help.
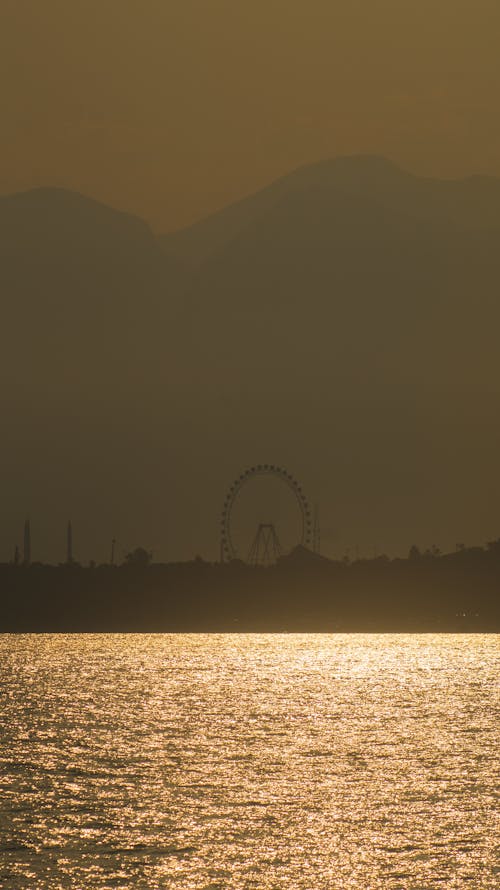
x: 342, y: 322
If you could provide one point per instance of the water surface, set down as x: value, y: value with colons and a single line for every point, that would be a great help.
x: 249, y: 761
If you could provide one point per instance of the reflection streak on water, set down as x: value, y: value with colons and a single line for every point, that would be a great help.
x: 279, y: 761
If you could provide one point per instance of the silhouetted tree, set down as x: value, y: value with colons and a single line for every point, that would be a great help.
x: 433, y: 551
x: 139, y: 557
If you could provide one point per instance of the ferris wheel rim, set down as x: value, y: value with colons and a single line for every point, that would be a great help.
x: 228, y: 549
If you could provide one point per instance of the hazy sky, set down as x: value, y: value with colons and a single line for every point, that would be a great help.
x: 173, y: 108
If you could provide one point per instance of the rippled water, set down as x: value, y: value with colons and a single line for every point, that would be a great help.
x: 249, y: 761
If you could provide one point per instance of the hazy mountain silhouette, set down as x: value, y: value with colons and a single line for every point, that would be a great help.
x: 357, y: 258
x: 341, y: 321
x: 81, y: 284
x: 55, y: 223
x: 473, y: 202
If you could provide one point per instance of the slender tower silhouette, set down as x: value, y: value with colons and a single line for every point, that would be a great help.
x: 27, y: 543
x: 69, y: 543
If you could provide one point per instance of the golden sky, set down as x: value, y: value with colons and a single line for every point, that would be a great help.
x: 174, y: 108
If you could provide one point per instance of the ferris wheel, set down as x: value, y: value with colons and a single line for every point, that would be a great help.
x: 266, y: 536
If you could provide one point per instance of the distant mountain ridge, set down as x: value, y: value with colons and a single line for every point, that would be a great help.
x: 53, y: 220
x: 50, y: 217
x: 472, y: 202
